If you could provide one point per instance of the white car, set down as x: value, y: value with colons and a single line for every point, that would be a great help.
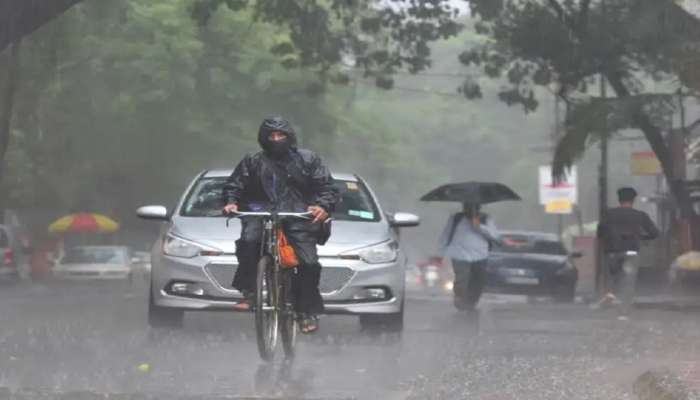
x: 194, y: 262
x: 94, y: 262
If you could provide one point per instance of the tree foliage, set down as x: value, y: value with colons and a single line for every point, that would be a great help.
x: 381, y: 37
x: 565, y: 45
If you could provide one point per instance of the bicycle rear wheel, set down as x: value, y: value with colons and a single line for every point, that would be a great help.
x: 266, y: 308
x: 288, y: 325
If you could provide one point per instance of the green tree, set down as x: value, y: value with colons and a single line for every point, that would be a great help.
x: 568, y: 44
x: 123, y: 99
x: 380, y: 36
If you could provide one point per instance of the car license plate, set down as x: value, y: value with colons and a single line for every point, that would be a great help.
x: 518, y: 280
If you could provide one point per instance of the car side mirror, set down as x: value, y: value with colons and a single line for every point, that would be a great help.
x: 576, y: 254
x: 404, y: 220
x: 157, y: 213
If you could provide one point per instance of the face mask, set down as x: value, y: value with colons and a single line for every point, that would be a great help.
x: 278, y: 149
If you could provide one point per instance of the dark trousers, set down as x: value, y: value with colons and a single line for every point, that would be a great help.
x: 303, y: 237
x: 470, y: 278
x: 622, y: 271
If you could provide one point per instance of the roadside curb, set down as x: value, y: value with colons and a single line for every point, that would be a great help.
x: 662, y: 384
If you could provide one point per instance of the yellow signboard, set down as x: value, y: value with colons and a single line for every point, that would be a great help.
x: 645, y: 163
x: 561, y: 206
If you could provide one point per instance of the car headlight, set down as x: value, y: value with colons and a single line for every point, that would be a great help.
x: 380, y: 253
x: 178, y: 247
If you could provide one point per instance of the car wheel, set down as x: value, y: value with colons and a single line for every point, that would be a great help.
x: 383, y: 322
x: 163, y: 317
x: 565, y: 293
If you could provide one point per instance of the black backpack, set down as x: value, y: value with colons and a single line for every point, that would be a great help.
x: 453, y: 228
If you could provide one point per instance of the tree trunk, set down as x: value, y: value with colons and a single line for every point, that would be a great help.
x: 19, y: 18
x: 663, y: 153
x: 6, y: 107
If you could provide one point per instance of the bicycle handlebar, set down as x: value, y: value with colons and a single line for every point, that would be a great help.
x: 238, y: 214
x: 269, y: 214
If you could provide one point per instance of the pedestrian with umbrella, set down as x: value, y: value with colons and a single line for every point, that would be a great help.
x: 468, y: 235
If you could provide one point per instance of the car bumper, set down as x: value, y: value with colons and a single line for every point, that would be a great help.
x: 344, y: 284
x: 88, y: 276
x: 535, y: 284
x: 688, y: 275
x: 8, y: 273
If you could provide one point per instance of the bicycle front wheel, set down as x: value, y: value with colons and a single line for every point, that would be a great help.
x: 266, y: 308
x: 288, y: 323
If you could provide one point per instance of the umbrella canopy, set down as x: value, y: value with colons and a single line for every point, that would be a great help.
x: 472, y: 192
x: 84, y: 222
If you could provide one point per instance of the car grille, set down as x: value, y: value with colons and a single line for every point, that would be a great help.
x: 222, y: 274
x: 332, y: 278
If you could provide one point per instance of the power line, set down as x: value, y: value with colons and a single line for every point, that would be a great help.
x: 411, y: 90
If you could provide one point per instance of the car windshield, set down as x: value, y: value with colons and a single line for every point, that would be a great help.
x: 530, y: 245
x: 356, y: 204
x: 87, y: 255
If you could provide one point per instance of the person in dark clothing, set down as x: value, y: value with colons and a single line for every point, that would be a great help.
x: 284, y: 178
x: 620, y: 232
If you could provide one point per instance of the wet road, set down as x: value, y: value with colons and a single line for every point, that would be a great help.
x: 65, y: 337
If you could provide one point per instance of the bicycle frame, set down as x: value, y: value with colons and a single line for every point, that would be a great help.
x: 271, y: 222
x: 276, y: 281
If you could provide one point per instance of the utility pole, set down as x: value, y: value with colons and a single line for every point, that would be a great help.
x: 678, y: 157
x: 601, y: 275
x: 556, y: 136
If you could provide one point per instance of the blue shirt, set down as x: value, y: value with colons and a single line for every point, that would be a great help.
x: 468, y: 244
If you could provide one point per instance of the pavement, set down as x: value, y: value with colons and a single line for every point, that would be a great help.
x: 90, y: 340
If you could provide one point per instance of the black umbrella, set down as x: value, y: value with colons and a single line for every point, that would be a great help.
x: 472, y: 192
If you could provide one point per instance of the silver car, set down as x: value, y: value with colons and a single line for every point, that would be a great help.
x: 94, y: 262
x: 193, y: 260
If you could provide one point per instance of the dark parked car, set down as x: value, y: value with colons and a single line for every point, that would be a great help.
x: 532, y: 263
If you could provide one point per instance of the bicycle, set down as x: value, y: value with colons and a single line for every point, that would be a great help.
x: 274, y: 303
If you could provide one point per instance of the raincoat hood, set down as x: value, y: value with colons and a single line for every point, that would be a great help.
x: 272, y: 124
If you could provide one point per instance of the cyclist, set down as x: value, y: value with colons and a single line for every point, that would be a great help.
x: 284, y: 178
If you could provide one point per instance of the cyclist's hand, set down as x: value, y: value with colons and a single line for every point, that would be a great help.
x: 319, y: 214
x: 230, y: 208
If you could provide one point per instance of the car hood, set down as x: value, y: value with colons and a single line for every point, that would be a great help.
x: 534, y: 261
x: 346, y: 235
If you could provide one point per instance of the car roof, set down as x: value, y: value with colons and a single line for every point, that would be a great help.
x: 535, y: 235
x: 226, y: 172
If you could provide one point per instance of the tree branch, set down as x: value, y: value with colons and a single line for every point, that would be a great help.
x: 585, y: 8
x: 558, y: 9
x: 19, y: 18
x: 692, y: 126
x: 655, y: 139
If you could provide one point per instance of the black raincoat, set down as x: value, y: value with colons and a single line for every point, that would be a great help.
x: 256, y: 185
